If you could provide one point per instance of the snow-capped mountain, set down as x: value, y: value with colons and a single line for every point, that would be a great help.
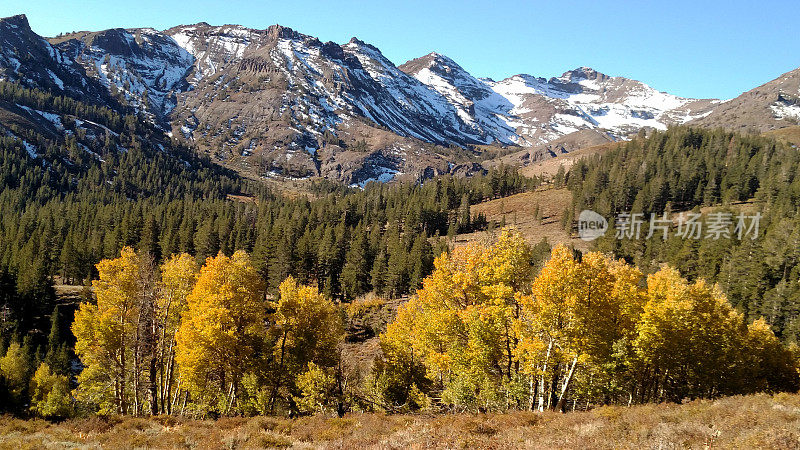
x: 142, y: 66
x: 483, y: 109
x: 538, y: 110
x: 30, y: 60
x: 278, y: 101
x: 299, y: 105
x: 431, y: 99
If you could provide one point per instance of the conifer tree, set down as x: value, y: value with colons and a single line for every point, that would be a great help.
x: 356, y: 270
x: 57, y: 357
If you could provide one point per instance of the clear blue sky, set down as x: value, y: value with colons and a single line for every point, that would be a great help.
x: 692, y: 48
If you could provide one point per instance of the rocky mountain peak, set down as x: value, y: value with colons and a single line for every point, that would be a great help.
x: 15, y: 26
x: 433, y: 61
x: 276, y: 32
x: 27, y: 58
x: 20, y: 20
x: 358, y: 43
x: 439, y: 59
x: 583, y: 73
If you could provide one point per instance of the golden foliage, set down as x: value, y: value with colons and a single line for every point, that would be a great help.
x: 221, y: 328
x: 490, y: 335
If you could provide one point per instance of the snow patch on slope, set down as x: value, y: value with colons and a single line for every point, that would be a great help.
x: 786, y: 111
x: 31, y: 149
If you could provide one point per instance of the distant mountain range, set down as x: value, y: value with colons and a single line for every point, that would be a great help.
x: 276, y: 102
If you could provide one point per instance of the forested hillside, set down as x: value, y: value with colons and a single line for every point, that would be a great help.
x: 687, y: 169
x: 65, y: 207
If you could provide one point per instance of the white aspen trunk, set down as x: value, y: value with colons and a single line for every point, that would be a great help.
x: 543, y: 376
x: 565, y: 386
x: 175, y: 397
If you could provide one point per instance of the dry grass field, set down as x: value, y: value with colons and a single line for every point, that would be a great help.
x: 520, y: 211
x: 758, y: 421
x: 550, y: 166
x: 788, y: 134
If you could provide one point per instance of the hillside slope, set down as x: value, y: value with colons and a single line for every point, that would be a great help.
x: 773, y: 105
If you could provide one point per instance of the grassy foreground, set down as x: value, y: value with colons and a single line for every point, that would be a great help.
x: 756, y: 421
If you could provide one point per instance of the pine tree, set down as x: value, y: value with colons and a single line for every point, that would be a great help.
x: 356, y: 270
x: 397, y: 264
x: 149, y: 242
x: 421, y: 260
x: 378, y: 273
x: 57, y: 356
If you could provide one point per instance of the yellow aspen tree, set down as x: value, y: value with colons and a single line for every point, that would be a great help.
x: 689, y: 337
x: 546, y: 320
x: 460, y: 324
x: 307, y: 328
x: 453, y: 305
x: 772, y: 367
x: 577, y: 311
x: 50, y: 396
x: 400, y: 367
x: 178, y: 277
x: 615, y: 372
x: 15, y: 371
x: 105, y: 332
x: 221, y: 331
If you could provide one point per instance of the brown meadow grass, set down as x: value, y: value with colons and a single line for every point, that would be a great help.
x: 756, y: 421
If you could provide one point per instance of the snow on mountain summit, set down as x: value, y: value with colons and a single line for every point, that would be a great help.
x: 275, y: 100
x: 431, y: 98
x: 537, y: 110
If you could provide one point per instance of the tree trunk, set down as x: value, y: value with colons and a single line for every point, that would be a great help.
x: 280, y: 372
x: 565, y: 386
x: 153, y: 388
x: 169, y: 369
x: 171, y: 405
x: 543, y: 375
x: 532, y: 391
x: 123, y: 404
x: 183, y: 406
x: 136, y: 373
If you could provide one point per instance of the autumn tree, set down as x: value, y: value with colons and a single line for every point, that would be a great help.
x: 578, y: 310
x: 305, y: 334
x: 105, y: 333
x: 221, y: 331
x: 50, y: 394
x: 178, y: 277
x: 460, y: 326
x: 694, y: 344
x: 15, y: 372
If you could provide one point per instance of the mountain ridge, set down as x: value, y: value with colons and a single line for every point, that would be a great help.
x: 280, y: 102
